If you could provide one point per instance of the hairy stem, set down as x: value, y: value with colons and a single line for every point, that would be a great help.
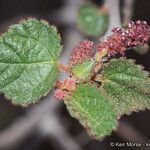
x: 63, y: 67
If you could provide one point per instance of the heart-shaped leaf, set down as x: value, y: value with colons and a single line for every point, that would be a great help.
x: 91, y: 106
x: 28, y: 61
x: 127, y: 85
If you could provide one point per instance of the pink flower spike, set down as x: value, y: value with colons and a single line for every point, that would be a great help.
x: 60, y: 94
x: 136, y: 34
x: 58, y: 84
x: 81, y: 52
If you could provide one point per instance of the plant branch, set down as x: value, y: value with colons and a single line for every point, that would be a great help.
x: 114, y: 15
x: 63, y: 67
x: 33, y: 120
x: 127, y: 11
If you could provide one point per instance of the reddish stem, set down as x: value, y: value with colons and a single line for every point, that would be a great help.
x: 63, y: 67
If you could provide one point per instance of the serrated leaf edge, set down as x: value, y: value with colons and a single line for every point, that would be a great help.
x: 58, y: 34
x: 87, y: 126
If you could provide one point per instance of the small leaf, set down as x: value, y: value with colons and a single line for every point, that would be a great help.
x: 83, y: 70
x: 93, y: 109
x: 127, y: 84
x: 28, y: 55
x: 91, y: 20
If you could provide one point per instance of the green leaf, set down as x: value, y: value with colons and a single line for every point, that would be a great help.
x: 91, y: 106
x: 82, y: 70
x: 127, y: 84
x: 91, y: 20
x: 28, y: 55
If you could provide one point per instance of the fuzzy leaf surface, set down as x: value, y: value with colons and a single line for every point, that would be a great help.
x: 92, y: 108
x: 127, y: 85
x: 28, y: 56
x: 83, y: 70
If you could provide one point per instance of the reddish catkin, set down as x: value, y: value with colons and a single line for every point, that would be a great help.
x: 64, y: 87
x: 60, y: 94
x: 136, y: 34
x: 81, y: 52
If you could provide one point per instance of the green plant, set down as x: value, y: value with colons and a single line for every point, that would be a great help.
x: 91, y: 20
x: 97, y: 92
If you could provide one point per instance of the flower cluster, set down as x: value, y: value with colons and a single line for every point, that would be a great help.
x: 60, y: 94
x: 81, y: 52
x: 69, y: 84
x: 64, y: 87
x: 136, y: 34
